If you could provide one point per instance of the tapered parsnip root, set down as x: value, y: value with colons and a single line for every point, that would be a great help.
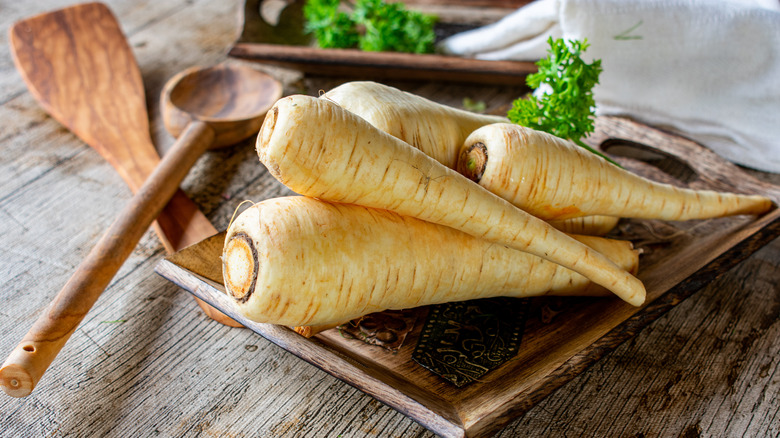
x: 307, y: 331
x: 554, y: 179
x: 300, y: 261
x: 437, y: 130
x: 318, y: 149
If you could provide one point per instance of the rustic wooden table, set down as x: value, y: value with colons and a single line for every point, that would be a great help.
x: 147, y: 362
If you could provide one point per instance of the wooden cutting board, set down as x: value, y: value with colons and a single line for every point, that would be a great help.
x: 563, y: 336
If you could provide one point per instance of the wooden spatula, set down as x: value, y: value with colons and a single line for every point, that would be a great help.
x: 79, y: 66
x: 77, y: 63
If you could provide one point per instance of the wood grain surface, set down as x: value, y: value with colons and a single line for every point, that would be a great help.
x: 147, y: 362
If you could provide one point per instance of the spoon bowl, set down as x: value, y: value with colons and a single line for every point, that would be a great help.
x: 231, y: 99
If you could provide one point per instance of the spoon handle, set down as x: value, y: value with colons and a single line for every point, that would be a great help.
x: 30, y: 359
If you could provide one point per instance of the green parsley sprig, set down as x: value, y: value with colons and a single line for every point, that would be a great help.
x: 331, y: 27
x: 373, y: 25
x: 565, y: 108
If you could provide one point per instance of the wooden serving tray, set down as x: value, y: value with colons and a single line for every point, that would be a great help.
x: 563, y: 336
x: 283, y: 43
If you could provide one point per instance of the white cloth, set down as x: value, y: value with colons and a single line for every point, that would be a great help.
x: 707, y: 69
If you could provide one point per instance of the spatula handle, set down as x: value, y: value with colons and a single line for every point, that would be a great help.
x: 180, y: 225
x: 30, y: 359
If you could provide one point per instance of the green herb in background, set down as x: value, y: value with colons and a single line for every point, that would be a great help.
x: 391, y: 27
x: 566, y: 107
x: 332, y: 28
x: 373, y: 26
x: 475, y: 106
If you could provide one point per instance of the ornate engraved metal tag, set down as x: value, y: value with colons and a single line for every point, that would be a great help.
x: 463, y: 341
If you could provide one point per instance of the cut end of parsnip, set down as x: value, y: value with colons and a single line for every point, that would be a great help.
x: 472, y: 161
x: 240, y: 265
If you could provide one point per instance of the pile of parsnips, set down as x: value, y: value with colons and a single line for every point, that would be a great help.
x: 387, y: 222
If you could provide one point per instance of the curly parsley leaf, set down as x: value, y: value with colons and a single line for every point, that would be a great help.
x: 333, y: 29
x: 565, y: 108
x: 373, y: 25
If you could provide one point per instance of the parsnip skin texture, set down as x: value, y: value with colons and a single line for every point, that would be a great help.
x: 318, y: 263
x: 318, y: 149
x: 588, y: 225
x: 554, y: 179
x: 437, y: 130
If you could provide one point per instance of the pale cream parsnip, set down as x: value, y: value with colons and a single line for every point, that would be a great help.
x: 437, y: 130
x: 301, y: 261
x: 555, y: 179
x: 318, y: 149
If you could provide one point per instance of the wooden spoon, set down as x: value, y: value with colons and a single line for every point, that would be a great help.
x: 225, y: 104
x: 78, y: 65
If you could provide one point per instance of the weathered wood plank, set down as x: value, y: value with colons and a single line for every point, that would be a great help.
x: 685, y: 372
x: 146, y: 361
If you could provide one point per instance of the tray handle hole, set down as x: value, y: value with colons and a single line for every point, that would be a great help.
x: 665, y: 162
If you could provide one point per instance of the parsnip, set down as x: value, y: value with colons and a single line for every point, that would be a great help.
x: 554, y: 179
x: 318, y: 149
x: 300, y: 261
x: 437, y: 130
x: 589, y: 225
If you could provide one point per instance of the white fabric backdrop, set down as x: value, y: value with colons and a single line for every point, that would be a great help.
x: 707, y: 69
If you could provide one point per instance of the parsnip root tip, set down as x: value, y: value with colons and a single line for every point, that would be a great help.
x: 305, y: 331
x: 240, y: 267
x: 308, y: 331
x: 636, y: 299
x: 235, y: 212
